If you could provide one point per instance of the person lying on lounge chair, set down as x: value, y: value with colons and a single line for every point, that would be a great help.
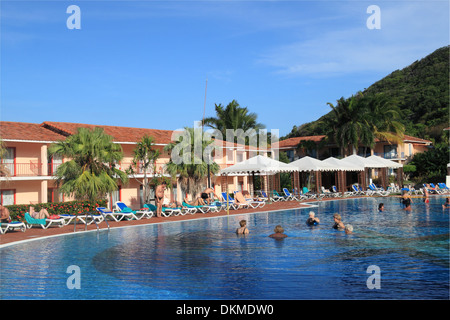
x: 42, y: 214
x: 197, y: 202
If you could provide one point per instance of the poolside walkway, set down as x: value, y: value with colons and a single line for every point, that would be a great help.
x: 36, y: 232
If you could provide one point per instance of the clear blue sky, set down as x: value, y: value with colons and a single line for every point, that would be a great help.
x: 145, y: 63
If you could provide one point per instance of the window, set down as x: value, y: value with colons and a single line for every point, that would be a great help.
x: 53, y: 195
x: 53, y: 163
x: 115, y: 196
x: 7, y: 197
x: 390, y: 151
x: 9, y: 160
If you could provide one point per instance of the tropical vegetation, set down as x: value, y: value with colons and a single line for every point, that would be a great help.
x: 92, y: 172
x: 234, y: 117
x: 189, y: 160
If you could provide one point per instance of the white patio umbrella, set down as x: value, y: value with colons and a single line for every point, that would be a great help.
x: 386, y: 162
x: 308, y: 164
x: 312, y: 164
x: 258, y: 164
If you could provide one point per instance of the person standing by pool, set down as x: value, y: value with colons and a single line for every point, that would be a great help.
x: 243, y: 229
x: 425, y: 199
x: 278, y: 233
x: 312, y: 220
x: 159, y: 198
x: 338, y: 224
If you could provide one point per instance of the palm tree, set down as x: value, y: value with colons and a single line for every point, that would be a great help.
x: 144, y: 157
x: 350, y: 124
x: 360, y: 119
x: 233, y: 117
x: 385, y: 118
x: 91, y: 173
x: 191, y: 168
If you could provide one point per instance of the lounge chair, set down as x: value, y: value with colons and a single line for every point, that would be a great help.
x: 44, y: 223
x: 68, y: 218
x: 166, y: 212
x: 277, y: 197
x: 195, y: 209
x: 123, y: 211
x: 312, y: 195
x: 12, y: 226
x: 231, y: 203
x: 252, y: 203
x: 378, y: 191
x: 444, y: 187
x: 289, y: 195
x: 91, y: 218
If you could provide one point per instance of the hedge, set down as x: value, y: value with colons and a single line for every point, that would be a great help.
x: 17, y: 211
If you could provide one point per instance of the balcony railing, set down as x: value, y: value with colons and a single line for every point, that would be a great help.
x: 34, y: 169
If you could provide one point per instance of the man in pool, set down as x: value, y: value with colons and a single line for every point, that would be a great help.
x: 278, y: 233
x: 312, y: 220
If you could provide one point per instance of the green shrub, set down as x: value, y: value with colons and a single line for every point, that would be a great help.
x: 17, y: 211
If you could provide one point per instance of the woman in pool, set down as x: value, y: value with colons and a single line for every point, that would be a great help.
x: 406, y: 200
x: 243, y: 229
x: 338, y: 224
x: 447, y: 204
x: 278, y: 233
x: 312, y: 220
x: 381, y: 207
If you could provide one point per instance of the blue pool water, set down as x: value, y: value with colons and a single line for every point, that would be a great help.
x: 205, y: 259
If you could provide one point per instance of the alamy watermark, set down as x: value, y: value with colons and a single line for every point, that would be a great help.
x: 74, y: 280
x: 196, y: 146
x: 374, y: 280
x: 374, y: 21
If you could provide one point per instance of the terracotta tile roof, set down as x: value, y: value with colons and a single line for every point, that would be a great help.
x: 415, y: 140
x: 293, y: 142
x: 27, y: 132
x: 119, y: 134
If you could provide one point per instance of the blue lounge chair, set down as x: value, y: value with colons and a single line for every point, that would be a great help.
x: 12, y: 226
x: 231, y: 203
x: 123, y: 211
x: 166, y: 212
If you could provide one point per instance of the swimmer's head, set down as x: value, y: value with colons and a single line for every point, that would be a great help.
x: 349, y: 228
x: 311, y: 214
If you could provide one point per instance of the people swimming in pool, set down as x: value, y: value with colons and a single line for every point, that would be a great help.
x: 279, y: 233
x: 243, y: 229
x: 312, y: 220
x: 406, y: 201
x: 446, y: 205
x: 338, y: 224
x: 348, y: 229
x: 381, y: 207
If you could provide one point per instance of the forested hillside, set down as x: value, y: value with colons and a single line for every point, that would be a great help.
x: 421, y: 91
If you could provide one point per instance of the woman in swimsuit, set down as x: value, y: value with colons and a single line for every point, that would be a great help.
x: 406, y: 200
x: 338, y: 225
x: 243, y: 229
x: 42, y: 214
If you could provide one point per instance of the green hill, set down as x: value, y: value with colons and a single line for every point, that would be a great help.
x: 421, y: 91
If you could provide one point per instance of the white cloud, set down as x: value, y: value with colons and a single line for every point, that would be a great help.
x: 409, y: 31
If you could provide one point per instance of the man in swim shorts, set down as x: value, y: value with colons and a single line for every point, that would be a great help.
x: 159, y: 198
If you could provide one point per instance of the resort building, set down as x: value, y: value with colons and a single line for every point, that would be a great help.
x: 31, y: 181
x: 314, y: 147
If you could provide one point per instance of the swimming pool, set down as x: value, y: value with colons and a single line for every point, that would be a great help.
x: 205, y: 259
